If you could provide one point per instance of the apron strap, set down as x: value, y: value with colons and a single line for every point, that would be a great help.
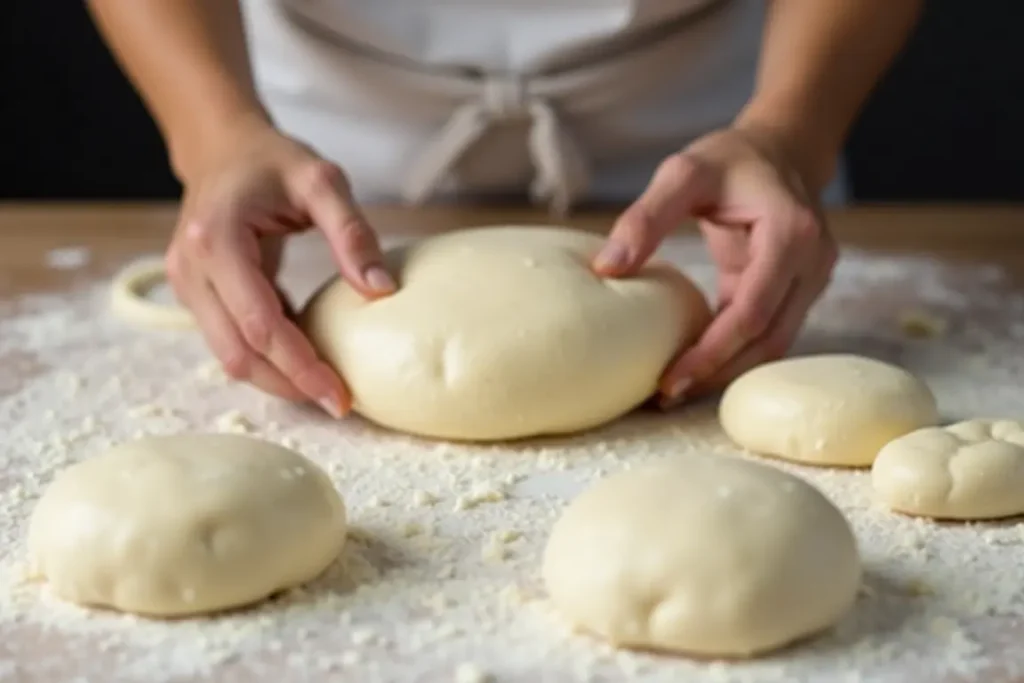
x: 626, y: 73
x: 562, y: 170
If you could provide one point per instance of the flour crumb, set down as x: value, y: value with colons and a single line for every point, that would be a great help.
x: 363, y: 636
x: 494, y: 552
x: 917, y: 587
x: 508, y: 536
x: 234, y: 421
x: 471, y: 673
x: 410, y: 529
x: 68, y: 258
x: 146, y: 410
x: 513, y: 478
x: 482, y: 493
x: 920, y: 324
x: 437, y: 603
x: 211, y: 371
x: 73, y: 383
x: 423, y: 498
x: 513, y: 596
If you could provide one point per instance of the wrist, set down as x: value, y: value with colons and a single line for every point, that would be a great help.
x: 197, y: 143
x: 806, y: 145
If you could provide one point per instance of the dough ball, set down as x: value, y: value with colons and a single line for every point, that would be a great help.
x: 704, y: 555
x: 825, y: 409
x: 504, y: 332
x: 969, y: 470
x: 178, y: 525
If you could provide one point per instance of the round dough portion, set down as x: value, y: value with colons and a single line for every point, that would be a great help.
x: 128, y: 298
x: 832, y: 409
x: 702, y: 555
x: 178, y: 525
x: 503, y: 333
x: 968, y: 470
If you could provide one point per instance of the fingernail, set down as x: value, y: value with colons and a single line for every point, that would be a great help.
x: 676, y: 394
x: 331, y: 406
x: 379, y: 280
x: 678, y: 390
x: 669, y: 403
x: 612, y: 257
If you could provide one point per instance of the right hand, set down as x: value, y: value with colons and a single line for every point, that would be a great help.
x: 249, y: 193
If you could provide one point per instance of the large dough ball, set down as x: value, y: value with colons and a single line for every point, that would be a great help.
x: 826, y: 409
x: 504, y: 332
x: 704, y: 555
x: 968, y: 470
x: 178, y: 525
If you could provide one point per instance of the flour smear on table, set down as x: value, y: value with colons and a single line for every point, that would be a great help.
x: 441, y: 578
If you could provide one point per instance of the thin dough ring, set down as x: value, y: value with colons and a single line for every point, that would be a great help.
x: 128, y: 300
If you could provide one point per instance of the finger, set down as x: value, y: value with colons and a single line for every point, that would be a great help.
x: 729, y: 249
x: 259, y: 315
x: 329, y: 202
x: 752, y: 309
x: 773, y: 345
x: 228, y: 346
x: 679, y: 190
x: 726, y: 337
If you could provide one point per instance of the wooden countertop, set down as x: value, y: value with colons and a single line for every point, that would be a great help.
x: 114, y: 233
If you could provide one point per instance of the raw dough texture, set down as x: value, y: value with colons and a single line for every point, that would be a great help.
x: 704, y: 555
x: 504, y: 332
x: 826, y: 409
x: 178, y: 525
x: 969, y: 470
x: 128, y: 298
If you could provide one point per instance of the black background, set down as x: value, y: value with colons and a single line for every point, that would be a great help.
x: 947, y: 124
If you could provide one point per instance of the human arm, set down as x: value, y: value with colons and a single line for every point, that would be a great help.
x: 755, y: 186
x: 247, y: 186
x: 820, y: 60
x: 189, y: 62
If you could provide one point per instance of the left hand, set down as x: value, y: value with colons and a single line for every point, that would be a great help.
x: 764, y: 231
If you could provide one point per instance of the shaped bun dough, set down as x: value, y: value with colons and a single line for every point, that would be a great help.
x: 505, y: 332
x: 826, y: 409
x: 705, y: 555
x: 187, y: 524
x: 968, y: 470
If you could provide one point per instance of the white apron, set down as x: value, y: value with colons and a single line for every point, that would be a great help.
x: 567, y: 100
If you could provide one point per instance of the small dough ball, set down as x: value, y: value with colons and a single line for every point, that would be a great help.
x: 969, y: 470
x: 178, y: 525
x: 503, y: 333
x: 826, y: 409
x: 703, y: 555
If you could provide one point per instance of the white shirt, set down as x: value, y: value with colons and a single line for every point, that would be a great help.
x: 574, y: 99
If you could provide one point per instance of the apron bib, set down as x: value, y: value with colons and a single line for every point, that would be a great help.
x: 568, y: 100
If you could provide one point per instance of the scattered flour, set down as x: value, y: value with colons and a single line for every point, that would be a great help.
x: 68, y: 258
x: 440, y: 580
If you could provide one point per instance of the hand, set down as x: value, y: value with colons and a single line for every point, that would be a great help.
x: 248, y: 195
x: 764, y: 231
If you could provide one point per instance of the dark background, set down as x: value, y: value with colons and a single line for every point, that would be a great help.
x: 947, y: 123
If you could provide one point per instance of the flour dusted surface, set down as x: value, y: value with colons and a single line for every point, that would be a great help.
x: 440, y: 581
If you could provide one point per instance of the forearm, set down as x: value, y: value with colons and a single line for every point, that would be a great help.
x: 188, y: 60
x: 820, y: 60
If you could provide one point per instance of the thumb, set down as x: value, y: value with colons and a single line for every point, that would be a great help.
x: 679, y: 190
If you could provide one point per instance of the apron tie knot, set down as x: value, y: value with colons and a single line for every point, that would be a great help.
x: 562, y: 172
x: 504, y: 98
